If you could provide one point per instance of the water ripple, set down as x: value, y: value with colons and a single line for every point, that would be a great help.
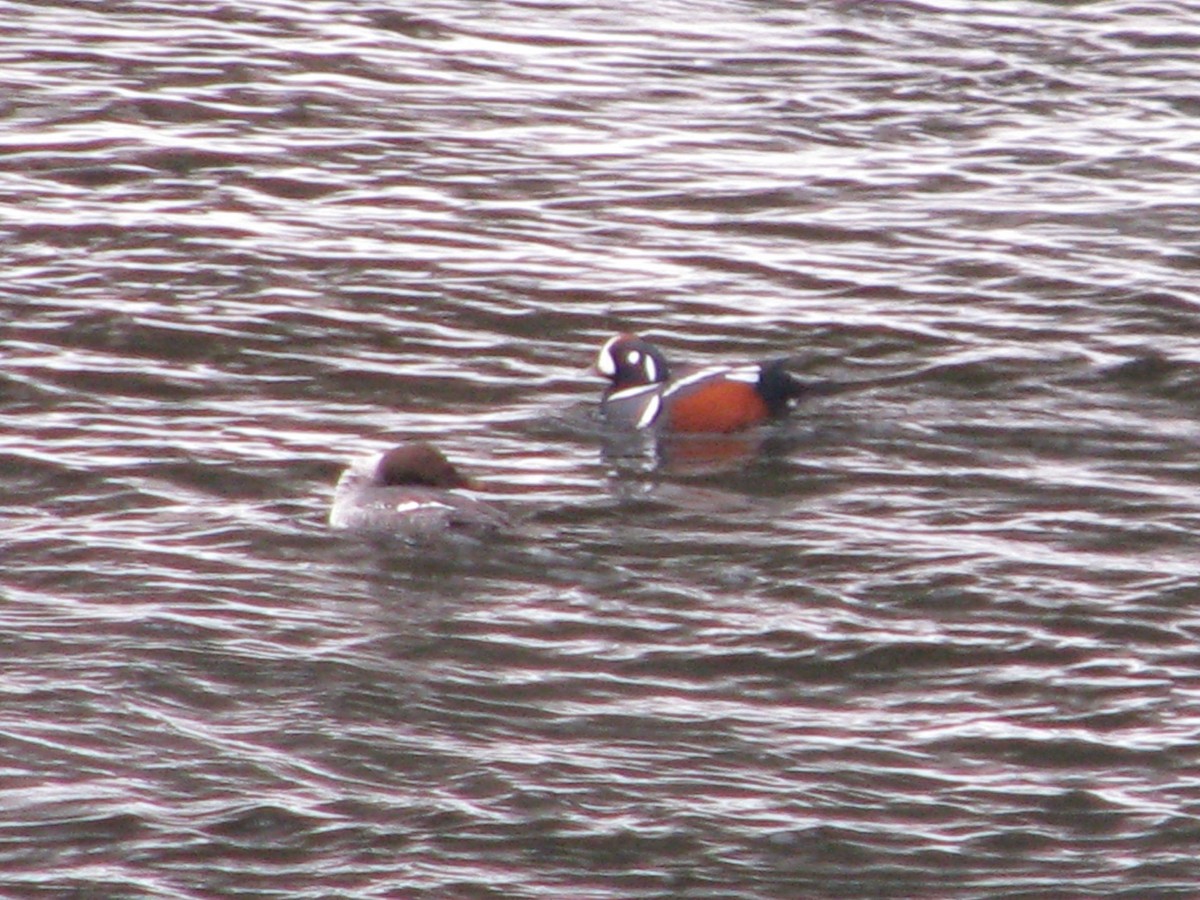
x: 930, y: 637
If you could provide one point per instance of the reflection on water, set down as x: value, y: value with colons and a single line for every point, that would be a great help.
x: 930, y: 636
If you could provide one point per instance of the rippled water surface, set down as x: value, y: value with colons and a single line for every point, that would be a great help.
x: 934, y: 636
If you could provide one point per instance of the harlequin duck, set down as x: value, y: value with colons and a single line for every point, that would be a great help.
x: 645, y: 391
x: 409, y: 491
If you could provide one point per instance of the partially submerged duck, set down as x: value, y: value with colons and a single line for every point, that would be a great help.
x: 411, y: 490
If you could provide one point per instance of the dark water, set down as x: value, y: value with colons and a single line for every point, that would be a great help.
x: 935, y: 638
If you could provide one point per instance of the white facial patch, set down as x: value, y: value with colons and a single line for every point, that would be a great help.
x: 633, y: 357
x: 605, y: 364
x: 651, y: 369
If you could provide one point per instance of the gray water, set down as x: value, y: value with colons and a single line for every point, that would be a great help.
x: 932, y: 637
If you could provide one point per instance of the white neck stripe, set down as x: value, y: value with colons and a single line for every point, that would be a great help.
x: 650, y: 413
